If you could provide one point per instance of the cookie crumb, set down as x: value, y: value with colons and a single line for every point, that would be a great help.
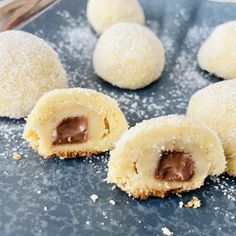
x: 166, y: 231
x: 112, y: 202
x: 94, y: 197
x: 113, y: 187
x: 17, y: 156
x: 195, y: 202
x: 181, y: 204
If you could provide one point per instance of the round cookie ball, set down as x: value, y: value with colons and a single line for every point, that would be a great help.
x: 102, y: 14
x: 129, y: 55
x: 29, y: 67
x: 215, y: 105
x: 217, y: 55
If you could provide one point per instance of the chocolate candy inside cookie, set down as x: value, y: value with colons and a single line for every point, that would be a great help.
x: 71, y: 130
x: 175, y: 166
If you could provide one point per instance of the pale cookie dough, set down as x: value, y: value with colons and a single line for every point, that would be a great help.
x: 74, y: 122
x: 102, y: 14
x: 217, y: 55
x: 29, y: 67
x: 215, y: 105
x: 169, y: 154
x: 129, y: 56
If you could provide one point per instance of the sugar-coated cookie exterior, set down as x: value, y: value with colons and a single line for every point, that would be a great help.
x: 129, y: 56
x: 105, y: 122
x: 29, y: 67
x: 102, y: 14
x: 133, y: 162
x: 217, y: 55
x: 215, y: 105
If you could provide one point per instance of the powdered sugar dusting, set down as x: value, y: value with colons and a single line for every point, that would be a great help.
x: 78, y: 42
x: 153, y: 25
x: 225, y: 187
x: 185, y: 73
x: 44, y: 193
x: 11, y: 134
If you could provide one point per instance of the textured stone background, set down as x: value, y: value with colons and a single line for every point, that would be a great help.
x: 52, y: 197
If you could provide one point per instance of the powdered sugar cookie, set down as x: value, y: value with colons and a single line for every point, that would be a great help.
x: 215, y: 106
x: 129, y: 56
x: 217, y: 55
x: 102, y: 14
x: 29, y: 67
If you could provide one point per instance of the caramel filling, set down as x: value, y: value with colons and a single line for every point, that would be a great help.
x: 71, y: 130
x: 175, y: 166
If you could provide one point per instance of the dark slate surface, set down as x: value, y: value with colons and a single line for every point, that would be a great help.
x: 52, y: 197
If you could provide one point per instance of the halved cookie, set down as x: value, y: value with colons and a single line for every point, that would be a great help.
x: 74, y: 122
x: 163, y: 155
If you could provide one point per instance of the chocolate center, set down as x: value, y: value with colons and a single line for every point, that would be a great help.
x: 71, y: 130
x: 175, y: 166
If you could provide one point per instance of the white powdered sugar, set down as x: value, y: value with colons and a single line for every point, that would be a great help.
x: 78, y: 38
x: 222, y: 184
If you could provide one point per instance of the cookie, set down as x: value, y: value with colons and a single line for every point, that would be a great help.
x: 29, y: 67
x: 74, y: 122
x: 217, y: 55
x: 129, y: 56
x: 169, y: 154
x: 102, y: 14
x: 215, y: 106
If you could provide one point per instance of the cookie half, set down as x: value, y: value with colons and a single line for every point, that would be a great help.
x: 164, y: 155
x: 74, y: 122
